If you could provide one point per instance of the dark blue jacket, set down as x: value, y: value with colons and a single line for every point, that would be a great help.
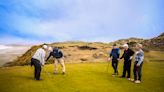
x: 56, y: 53
x: 115, y: 53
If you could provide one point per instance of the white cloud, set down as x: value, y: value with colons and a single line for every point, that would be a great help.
x: 62, y: 20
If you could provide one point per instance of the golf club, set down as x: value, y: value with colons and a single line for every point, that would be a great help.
x: 108, y: 61
x: 46, y: 72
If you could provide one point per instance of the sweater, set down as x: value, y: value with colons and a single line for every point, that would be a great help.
x: 40, y: 55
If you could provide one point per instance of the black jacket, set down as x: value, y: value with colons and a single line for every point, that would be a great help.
x: 127, y: 54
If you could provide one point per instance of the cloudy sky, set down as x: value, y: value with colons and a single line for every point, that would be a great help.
x: 38, y: 21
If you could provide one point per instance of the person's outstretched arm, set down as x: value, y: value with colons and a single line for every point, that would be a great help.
x: 42, y: 55
x: 49, y: 56
x: 62, y: 54
x: 131, y: 52
x: 110, y: 53
x: 140, y: 58
x: 122, y: 55
x: 118, y: 53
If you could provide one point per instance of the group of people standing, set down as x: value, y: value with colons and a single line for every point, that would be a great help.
x: 38, y: 60
x: 128, y: 56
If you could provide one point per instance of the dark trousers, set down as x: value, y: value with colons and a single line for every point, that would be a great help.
x: 127, y: 68
x: 115, y: 65
x: 137, y: 71
x: 37, y: 68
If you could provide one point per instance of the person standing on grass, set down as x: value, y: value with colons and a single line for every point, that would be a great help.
x: 127, y: 55
x: 115, y: 54
x: 38, y: 60
x: 139, y: 57
x: 58, y: 58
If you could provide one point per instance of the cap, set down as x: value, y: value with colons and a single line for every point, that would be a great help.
x: 44, y: 46
x: 125, y: 45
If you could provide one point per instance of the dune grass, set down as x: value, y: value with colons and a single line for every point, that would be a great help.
x: 83, y: 77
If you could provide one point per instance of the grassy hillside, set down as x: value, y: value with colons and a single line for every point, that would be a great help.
x: 156, y: 43
x: 85, y: 77
x: 77, y: 52
x: 74, y: 52
x: 129, y: 40
x: 25, y: 58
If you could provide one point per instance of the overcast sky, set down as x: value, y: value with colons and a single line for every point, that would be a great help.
x: 41, y: 21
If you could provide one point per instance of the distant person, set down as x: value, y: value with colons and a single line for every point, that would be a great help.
x: 139, y: 56
x: 38, y: 60
x: 127, y: 55
x: 115, y: 54
x: 58, y: 58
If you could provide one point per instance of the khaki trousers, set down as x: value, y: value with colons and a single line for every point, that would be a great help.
x: 61, y: 61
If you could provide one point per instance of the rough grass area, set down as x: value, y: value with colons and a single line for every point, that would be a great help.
x: 84, y: 77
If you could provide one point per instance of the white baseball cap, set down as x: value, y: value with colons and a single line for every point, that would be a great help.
x: 125, y: 45
x: 44, y: 46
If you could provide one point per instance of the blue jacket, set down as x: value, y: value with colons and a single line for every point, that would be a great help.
x: 115, y: 53
x: 56, y: 53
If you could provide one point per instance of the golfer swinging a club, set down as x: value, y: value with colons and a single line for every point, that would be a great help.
x: 37, y: 60
x: 58, y: 58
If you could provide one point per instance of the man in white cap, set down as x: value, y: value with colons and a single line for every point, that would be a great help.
x: 127, y: 55
x: 38, y: 60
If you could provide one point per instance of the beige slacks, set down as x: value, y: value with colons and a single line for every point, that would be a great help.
x: 61, y: 61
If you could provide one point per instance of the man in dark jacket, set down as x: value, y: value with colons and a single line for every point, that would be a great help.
x: 58, y: 58
x: 127, y: 55
x: 115, y: 54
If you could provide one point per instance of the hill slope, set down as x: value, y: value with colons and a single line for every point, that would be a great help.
x: 156, y: 43
x: 76, y: 52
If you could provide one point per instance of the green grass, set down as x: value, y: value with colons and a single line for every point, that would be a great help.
x: 84, y: 77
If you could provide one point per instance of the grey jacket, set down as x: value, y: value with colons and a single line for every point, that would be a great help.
x: 139, y: 57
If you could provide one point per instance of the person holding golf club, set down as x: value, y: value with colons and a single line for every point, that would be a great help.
x: 139, y: 57
x: 115, y: 54
x: 58, y: 58
x: 38, y: 60
x: 127, y: 55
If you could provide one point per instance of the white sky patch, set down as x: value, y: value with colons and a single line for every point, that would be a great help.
x: 2, y: 47
x: 9, y: 40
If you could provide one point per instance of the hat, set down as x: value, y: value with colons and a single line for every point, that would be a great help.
x: 44, y: 46
x: 125, y: 45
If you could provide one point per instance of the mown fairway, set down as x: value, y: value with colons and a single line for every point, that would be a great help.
x: 84, y: 77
